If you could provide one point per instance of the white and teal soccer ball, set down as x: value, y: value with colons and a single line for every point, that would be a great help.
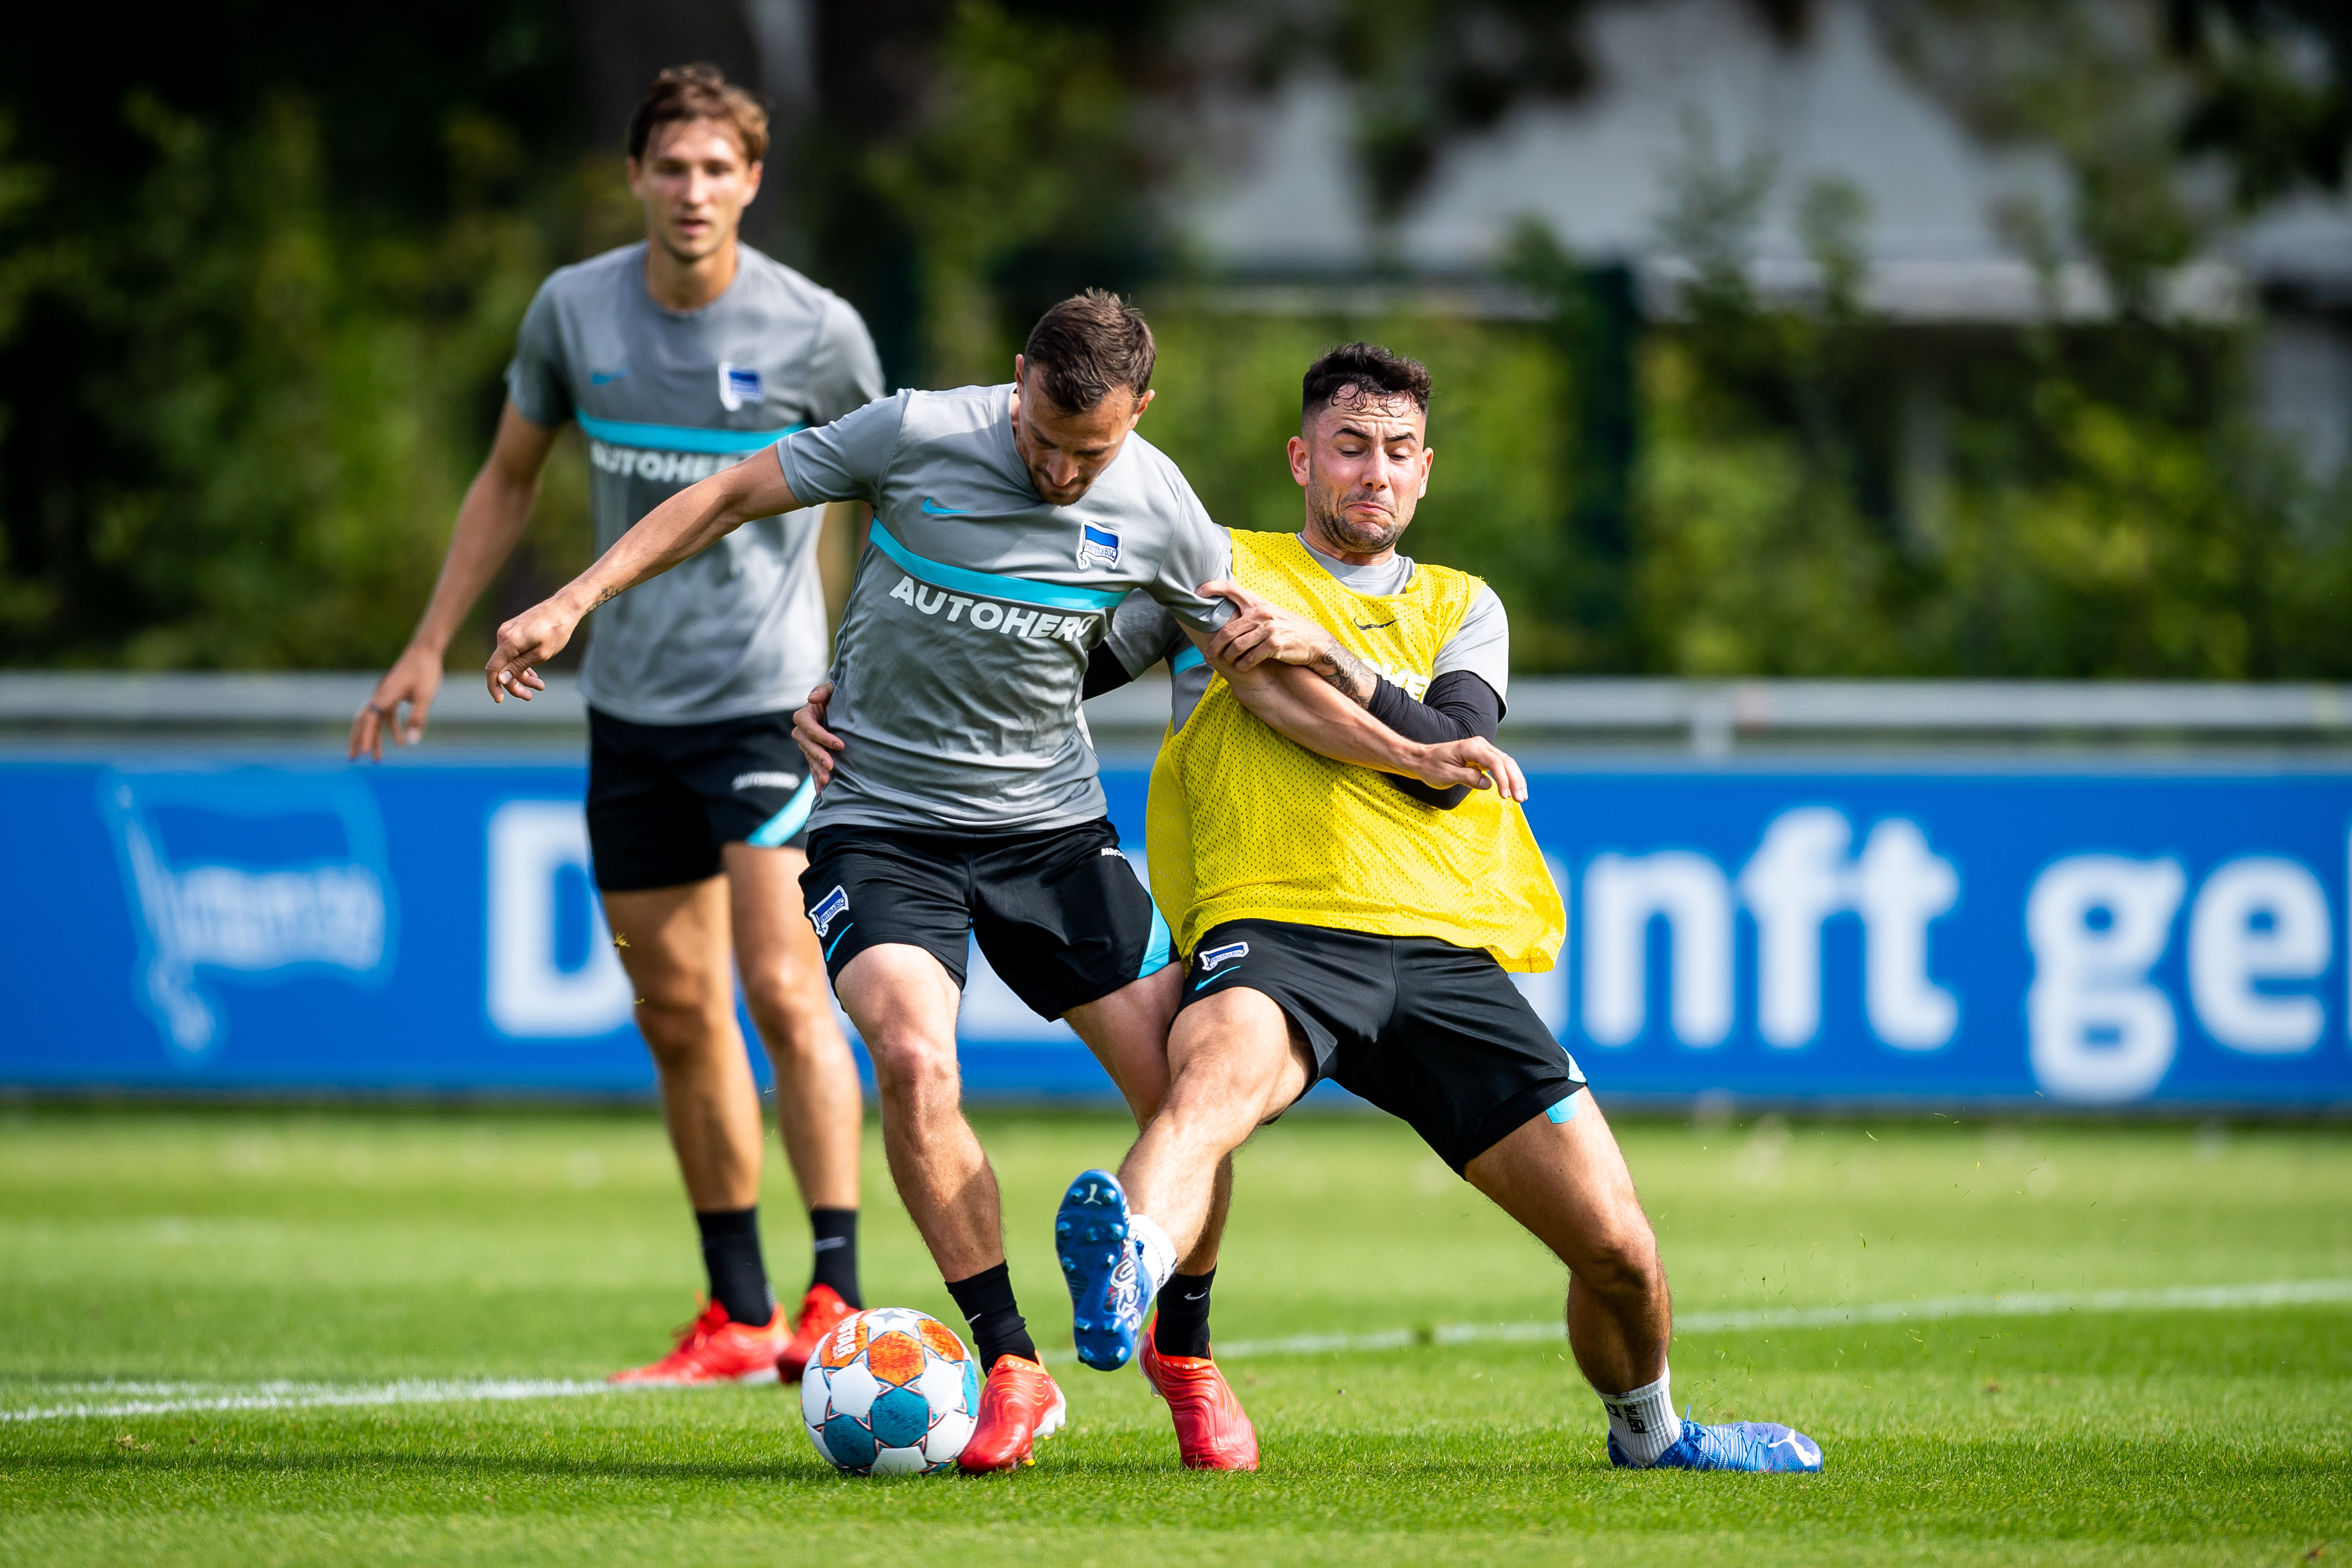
x: 890, y: 1392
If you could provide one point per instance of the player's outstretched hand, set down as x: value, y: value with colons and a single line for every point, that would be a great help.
x: 816, y: 743
x: 538, y: 634
x: 1260, y: 631
x: 414, y: 679
x: 1481, y: 764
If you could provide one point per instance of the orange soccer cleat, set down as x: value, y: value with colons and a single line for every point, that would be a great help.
x: 714, y: 1348
x: 820, y: 1310
x: 1213, y: 1430
x: 1019, y: 1406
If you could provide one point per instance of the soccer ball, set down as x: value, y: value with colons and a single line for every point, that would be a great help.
x: 890, y: 1392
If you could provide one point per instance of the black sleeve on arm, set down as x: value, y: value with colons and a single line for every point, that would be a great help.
x: 1459, y: 705
x: 1105, y: 673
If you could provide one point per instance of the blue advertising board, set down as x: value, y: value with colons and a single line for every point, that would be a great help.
x: 2119, y: 937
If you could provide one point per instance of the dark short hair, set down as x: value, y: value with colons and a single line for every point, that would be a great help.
x: 1372, y: 370
x: 1088, y: 344
x: 700, y: 92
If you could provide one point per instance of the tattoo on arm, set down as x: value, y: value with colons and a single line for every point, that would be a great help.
x: 1353, y: 677
x: 606, y: 595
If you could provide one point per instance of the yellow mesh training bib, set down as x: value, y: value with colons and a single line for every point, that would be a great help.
x: 1247, y: 825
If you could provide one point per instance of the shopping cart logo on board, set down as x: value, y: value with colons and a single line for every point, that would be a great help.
x: 251, y: 873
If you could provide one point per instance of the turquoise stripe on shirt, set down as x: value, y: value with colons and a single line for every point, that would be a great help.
x: 680, y: 437
x: 989, y: 584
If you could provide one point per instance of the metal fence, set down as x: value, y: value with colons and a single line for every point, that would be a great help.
x: 1708, y: 719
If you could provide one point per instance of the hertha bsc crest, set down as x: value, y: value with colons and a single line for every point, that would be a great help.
x: 1097, y: 543
x: 828, y: 909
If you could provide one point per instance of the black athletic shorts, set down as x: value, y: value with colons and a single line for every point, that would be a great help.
x: 663, y: 798
x: 1427, y: 1031
x: 1059, y: 915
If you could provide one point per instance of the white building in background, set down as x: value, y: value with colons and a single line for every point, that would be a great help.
x: 1836, y: 106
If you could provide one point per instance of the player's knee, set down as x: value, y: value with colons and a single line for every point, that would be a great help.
x: 914, y: 1070
x: 1623, y: 1262
x: 1220, y: 1099
x: 678, y: 1002
x: 793, y: 1016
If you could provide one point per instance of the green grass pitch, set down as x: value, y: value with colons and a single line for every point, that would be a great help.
x: 165, y: 1248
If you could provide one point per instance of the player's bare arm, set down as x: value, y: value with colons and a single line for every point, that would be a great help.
x: 1261, y: 630
x: 687, y: 522
x: 1293, y: 702
x: 491, y: 522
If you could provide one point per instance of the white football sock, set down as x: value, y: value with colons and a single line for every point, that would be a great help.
x: 1152, y: 1250
x: 1643, y: 1421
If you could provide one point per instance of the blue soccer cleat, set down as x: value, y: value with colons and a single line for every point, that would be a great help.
x: 1109, y: 1293
x: 1757, y: 1446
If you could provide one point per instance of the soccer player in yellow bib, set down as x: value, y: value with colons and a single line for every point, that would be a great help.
x: 1344, y: 923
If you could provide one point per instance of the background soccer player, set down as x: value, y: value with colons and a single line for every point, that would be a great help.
x: 1341, y: 922
x: 959, y: 792
x: 678, y: 357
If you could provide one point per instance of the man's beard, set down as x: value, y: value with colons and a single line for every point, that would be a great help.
x: 1355, y: 537
x: 1070, y: 497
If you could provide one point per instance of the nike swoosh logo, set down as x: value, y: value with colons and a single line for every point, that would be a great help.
x: 599, y: 378
x: 935, y: 509
x: 1375, y: 625
x: 1213, y: 979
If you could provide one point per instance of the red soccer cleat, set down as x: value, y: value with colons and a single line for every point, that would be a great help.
x: 714, y: 1348
x: 1213, y: 1430
x: 820, y: 1310
x: 1019, y: 1406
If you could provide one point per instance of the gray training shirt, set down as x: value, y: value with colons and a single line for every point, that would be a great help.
x: 963, y: 650
x: 665, y: 398
x: 1142, y: 633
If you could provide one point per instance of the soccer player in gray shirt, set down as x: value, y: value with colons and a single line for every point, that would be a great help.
x: 960, y: 798
x: 680, y: 357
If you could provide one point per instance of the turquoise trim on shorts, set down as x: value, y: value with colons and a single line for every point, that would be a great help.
x: 776, y: 829
x: 1564, y: 1110
x: 1157, y: 956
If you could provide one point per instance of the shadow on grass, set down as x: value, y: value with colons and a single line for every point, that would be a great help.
x: 2145, y: 1487
x: 164, y: 1461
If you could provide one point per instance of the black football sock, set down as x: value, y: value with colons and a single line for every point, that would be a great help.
x: 837, y: 1252
x: 731, y: 1252
x: 1182, y: 1328
x: 997, y: 1326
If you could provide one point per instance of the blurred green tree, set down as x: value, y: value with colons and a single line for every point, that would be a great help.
x: 255, y: 294
x: 250, y: 336
x: 1028, y: 135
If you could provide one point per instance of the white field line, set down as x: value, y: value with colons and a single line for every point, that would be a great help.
x: 172, y: 1398
x: 175, y: 1399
